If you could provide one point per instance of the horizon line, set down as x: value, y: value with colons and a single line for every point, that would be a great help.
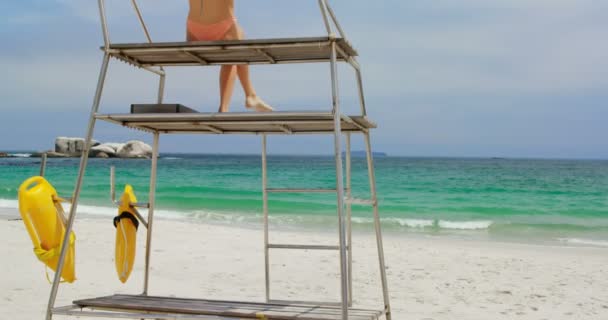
x: 385, y: 155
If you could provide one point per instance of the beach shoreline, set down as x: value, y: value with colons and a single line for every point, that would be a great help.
x: 553, y: 202
x: 254, y: 222
x: 429, y: 277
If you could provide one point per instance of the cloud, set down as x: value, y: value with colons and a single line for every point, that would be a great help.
x: 66, y: 82
x: 117, y: 10
x: 433, y: 71
x: 515, y: 46
x: 519, y: 47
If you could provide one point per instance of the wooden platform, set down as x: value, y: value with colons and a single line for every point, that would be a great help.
x: 176, y: 308
x: 260, y: 51
x: 240, y: 123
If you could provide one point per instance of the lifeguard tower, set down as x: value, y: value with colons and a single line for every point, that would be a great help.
x: 162, y: 118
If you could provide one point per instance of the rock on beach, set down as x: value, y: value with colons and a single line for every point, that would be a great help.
x: 66, y: 147
x: 71, y: 146
x: 135, y: 149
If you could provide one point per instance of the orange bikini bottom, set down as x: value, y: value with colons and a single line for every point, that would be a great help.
x: 209, y: 32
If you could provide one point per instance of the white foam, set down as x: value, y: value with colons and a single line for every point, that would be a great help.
x: 235, y: 217
x: 20, y: 155
x: 430, y: 223
x: 210, y: 216
x: 228, y: 217
x: 86, y: 209
x: 412, y: 223
x: 360, y: 220
x: 590, y: 242
x: 465, y: 225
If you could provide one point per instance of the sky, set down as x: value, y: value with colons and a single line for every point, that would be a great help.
x: 472, y: 78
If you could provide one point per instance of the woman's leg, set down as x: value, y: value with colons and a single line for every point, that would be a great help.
x: 227, y: 77
x: 236, y: 33
x: 251, y: 98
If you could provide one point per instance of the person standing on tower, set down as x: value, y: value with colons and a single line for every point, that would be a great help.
x: 212, y: 20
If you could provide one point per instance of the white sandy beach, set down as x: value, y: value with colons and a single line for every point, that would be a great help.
x: 429, y: 277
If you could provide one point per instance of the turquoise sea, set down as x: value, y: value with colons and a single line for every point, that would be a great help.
x: 546, y: 201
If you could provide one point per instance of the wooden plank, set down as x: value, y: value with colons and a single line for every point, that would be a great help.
x: 217, y: 43
x: 219, y: 129
x: 247, y: 310
x: 246, y: 42
x: 226, y: 116
x: 286, y: 122
x: 270, y: 118
x: 231, y: 51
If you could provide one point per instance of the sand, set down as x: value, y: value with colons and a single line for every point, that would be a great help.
x: 429, y: 277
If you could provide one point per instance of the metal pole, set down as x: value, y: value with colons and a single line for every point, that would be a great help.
x: 113, y: 184
x: 339, y: 181
x: 372, y: 186
x: 334, y: 19
x: 149, y: 38
x: 161, y: 88
x: 151, y: 201
x: 104, y: 25
x: 361, y: 94
x: 83, y: 164
x: 325, y: 19
x: 265, y: 208
x: 349, y: 214
x: 43, y: 165
x: 141, y: 20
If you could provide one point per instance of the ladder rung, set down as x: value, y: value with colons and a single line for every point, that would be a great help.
x: 274, y: 190
x: 359, y: 201
x: 302, y: 247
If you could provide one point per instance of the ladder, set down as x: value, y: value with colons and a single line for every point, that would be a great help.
x: 344, y: 202
x: 155, y: 57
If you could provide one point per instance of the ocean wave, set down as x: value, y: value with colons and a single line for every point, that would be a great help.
x: 580, y: 241
x: 408, y: 223
x: 430, y: 223
x: 20, y: 155
x: 360, y: 220
x: 253, y: 218
x: 314, y: 221
x: 412, y: 223
x: 85, y: 209
x: 465, y: 225
x: 213, y: 216
x: 197, y: 215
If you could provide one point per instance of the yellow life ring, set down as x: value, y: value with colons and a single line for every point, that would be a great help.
x: 44, y: 219
x: 126, y: 235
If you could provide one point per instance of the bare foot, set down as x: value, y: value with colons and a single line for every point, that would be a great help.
x: 257, y: 104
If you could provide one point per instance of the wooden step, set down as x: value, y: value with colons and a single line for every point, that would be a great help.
x: 173, y: 307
